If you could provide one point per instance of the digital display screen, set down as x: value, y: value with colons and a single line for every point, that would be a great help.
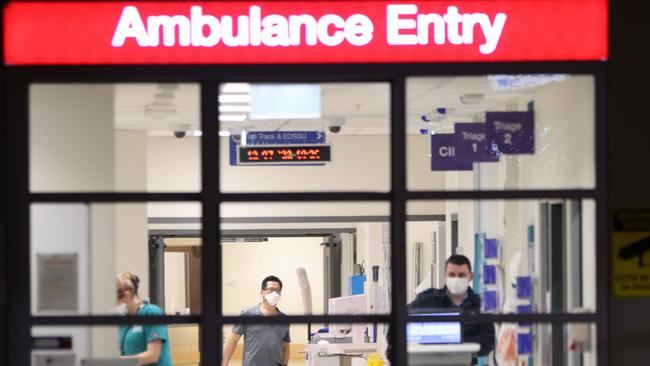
x: 284, y: 154
x: 434, y: 332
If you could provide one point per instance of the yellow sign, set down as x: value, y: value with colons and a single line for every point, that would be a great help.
x: 631, y: 254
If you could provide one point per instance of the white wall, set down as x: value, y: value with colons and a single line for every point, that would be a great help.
x: 102, y: 273
x: 175, y: 291
x: 71, y: 149
x: 419, y: 176
x: 564, y: 136
x: 71, y: 137
x: 74, y: 147
x: 62, y: 229
x: 173, y: 164
x: 422, y: 232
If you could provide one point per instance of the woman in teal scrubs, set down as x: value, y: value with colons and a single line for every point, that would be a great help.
x: 149, y: 344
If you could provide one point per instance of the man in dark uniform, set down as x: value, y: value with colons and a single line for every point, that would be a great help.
x: 457, y: 295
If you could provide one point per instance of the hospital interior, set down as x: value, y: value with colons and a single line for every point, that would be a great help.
x: 333, y: 257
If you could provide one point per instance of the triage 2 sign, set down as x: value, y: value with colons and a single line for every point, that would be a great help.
x: 241, y: 32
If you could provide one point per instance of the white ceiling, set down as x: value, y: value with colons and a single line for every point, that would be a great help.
x: 364, y: 108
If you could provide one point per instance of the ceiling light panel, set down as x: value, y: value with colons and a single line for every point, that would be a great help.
x: 234, y: 98
x: 236, y: 88
x: 234, y: 108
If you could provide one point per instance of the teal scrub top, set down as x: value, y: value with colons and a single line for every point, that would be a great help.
x: 134, y: 338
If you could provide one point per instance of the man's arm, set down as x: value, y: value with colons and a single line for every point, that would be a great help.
x: 286, y: 349
x: 230, y: 348
x: 485, y: 338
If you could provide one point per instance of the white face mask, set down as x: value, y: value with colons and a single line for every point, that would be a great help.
x: 121, y: 309
x: 272, y: 298
x: 457, y: 285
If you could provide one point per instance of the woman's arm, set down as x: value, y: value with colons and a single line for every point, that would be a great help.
x: 151, y: 355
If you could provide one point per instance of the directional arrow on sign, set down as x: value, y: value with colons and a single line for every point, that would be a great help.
x: 637, y: 248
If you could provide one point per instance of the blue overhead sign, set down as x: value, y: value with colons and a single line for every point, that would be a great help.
x: 284, y: 137
x: 256, y: 138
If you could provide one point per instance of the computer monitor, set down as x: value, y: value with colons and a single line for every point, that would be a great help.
x: 434, y: 332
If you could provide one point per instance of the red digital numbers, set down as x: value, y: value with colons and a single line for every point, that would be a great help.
x: 284, y: 153
x: 253, y: 155
x: 267, y: 154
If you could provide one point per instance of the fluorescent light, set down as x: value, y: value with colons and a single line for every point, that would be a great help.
x: 236, y: 88
x: 234, y: 108
x: 234, y: 98
x: 285, y: 101
x: 515, y: 82
x: 232, y: 117
x: 197, y: 133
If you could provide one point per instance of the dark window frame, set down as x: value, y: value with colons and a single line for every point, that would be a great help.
x: 19, y: 198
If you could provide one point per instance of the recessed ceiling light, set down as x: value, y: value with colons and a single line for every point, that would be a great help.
x: 232, y: 117
x: 234, y: 108
x: 234, y: 98
x: 236, y: 88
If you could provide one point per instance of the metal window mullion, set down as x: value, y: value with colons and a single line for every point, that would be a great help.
x: 305, y: 196
x: 211, y: 323
x: 602, y: 223
x: 504, y: 194
x: 92, y: 320
x: 561, y: 317
x: 74, y: 320
x: 306, y: 319
x: 398, y: 286
x: 18, y: 247
x: 296, y: 72
x: 110, y: 197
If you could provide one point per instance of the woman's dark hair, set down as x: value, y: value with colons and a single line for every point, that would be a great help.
x: 270, y: 278
x: 459, y: 260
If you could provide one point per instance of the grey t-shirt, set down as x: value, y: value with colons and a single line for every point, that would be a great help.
x: 262, y: 342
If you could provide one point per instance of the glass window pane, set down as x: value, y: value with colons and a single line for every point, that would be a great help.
x: 305, y: 137
x: 73, y: 345
x: 525, y: 256
x: 114, y: 137
x: 496, y: 132
x: 78, y: 251
x: 322, y: 252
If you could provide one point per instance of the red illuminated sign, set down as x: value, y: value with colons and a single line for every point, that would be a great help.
x: 282, y: 32
x: 284, y: 154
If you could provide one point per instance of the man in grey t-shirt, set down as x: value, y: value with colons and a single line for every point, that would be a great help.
x: 264, y: 344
